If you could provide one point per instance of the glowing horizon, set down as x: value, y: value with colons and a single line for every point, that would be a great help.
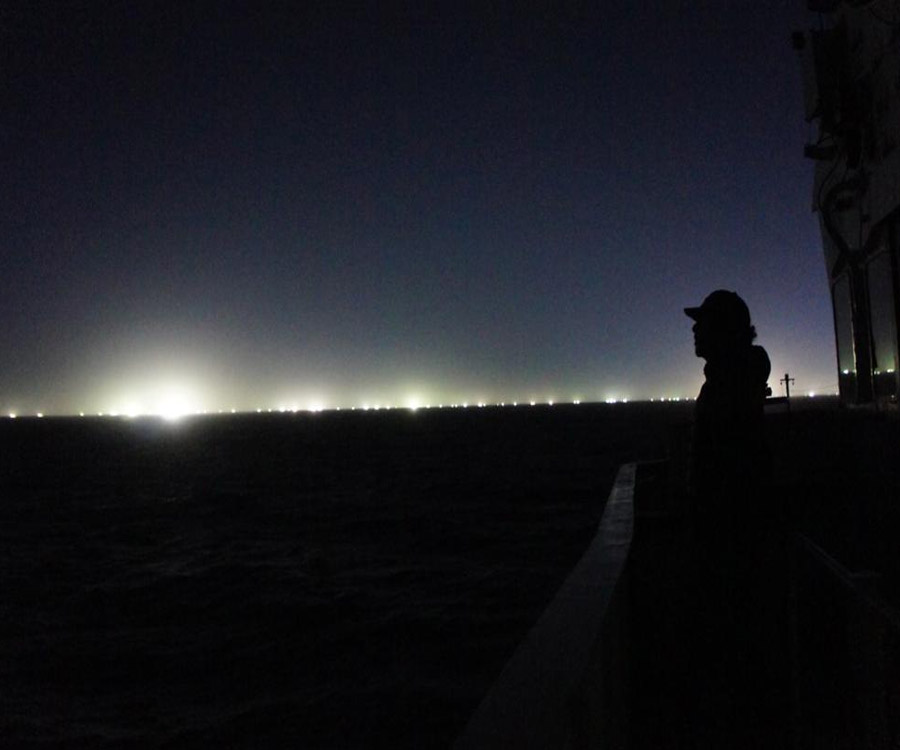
x: 181, y: 411
x: 175, y: 393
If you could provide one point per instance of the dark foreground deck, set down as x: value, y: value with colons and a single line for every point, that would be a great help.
x: 803, y: 653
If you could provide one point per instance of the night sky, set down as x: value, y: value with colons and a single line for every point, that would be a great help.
x: 217, y: 205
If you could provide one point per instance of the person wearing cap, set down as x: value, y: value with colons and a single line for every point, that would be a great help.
x: 729, y: 449
x: 736, y: 602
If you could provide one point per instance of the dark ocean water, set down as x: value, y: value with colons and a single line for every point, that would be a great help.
x: 337, y: 580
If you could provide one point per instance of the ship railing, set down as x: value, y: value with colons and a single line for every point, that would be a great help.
x: 845, y: 654
x: 567, y: 684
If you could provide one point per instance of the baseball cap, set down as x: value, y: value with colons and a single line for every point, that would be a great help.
x: 722, y: 306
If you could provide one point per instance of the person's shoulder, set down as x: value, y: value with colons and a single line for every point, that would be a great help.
x: 758, y: 359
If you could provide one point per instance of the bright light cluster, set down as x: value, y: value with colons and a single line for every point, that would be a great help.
x: 172, y: 403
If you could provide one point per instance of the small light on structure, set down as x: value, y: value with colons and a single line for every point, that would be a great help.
x: 846, y: 372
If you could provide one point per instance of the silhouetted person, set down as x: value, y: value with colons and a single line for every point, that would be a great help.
x: 729, y: 453
x: 739, y: 699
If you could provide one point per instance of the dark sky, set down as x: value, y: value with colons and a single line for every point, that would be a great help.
x: 247, y: 205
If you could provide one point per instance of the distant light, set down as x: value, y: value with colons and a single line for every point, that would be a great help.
x: 531, y: 402
x: 549, y: 403
x: 81, y: 414
x: 12, y: 415
x: 846, y: 372
x: 40, y: 415
x: 576, y: 402
x: 812, y: 394
x: 515, y: 403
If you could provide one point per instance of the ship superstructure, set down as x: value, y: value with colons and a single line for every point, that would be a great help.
x: 851, y: 65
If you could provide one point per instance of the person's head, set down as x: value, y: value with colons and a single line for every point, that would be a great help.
x: 721, y: 325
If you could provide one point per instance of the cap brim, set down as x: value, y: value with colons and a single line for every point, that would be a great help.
x: 692, y: 312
